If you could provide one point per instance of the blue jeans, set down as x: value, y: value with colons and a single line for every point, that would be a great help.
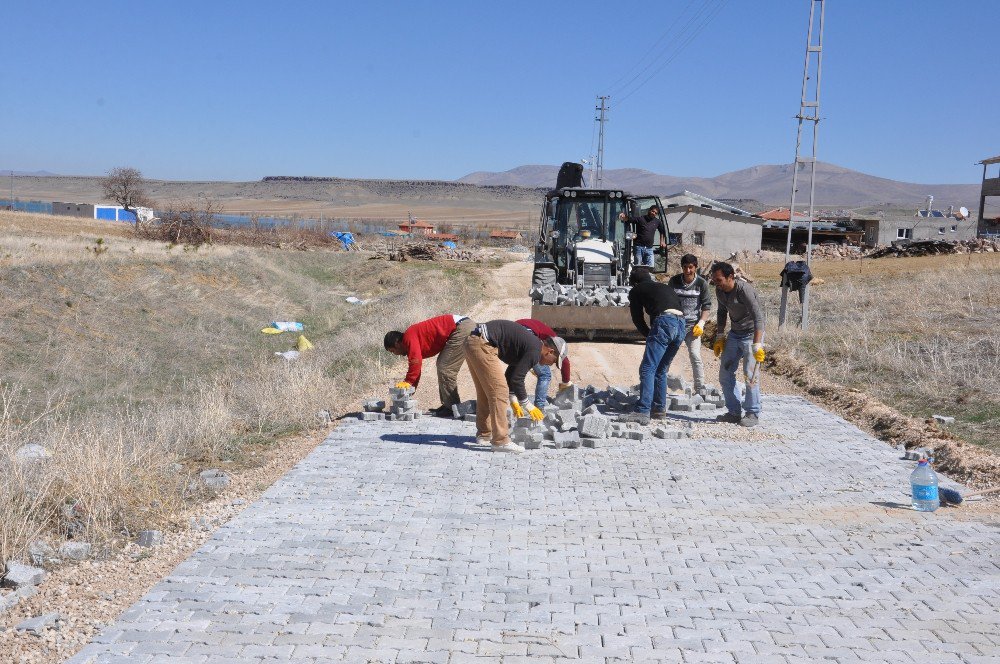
x: 643, y: 256
x: 739, y: 347
x: 544, y: 373
x: 666, y: 335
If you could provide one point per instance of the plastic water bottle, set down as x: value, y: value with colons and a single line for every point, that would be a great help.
x: 924, y: 485
x: 288, y: 326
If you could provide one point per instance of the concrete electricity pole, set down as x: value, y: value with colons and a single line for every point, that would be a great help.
x: 602, y: 108
x: 808, y: 110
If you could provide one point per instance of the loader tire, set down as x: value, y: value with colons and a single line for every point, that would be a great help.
x: 543, y: 276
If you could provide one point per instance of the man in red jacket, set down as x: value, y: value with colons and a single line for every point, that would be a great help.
x: 443, y: 336
x: 542, y: 371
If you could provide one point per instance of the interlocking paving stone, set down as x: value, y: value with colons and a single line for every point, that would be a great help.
x: 400, y: 542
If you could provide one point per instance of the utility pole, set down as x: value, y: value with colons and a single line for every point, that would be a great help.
x: 808, y: 110
x: 602, y: 108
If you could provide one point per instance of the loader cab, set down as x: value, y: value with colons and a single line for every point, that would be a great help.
x: 578, y: 220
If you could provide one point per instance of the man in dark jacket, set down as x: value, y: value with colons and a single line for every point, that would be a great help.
x: 645, y: 234
x: 541, y: 371
x: 664, y: 336
x: 696, y: 302
x: 488, y: 348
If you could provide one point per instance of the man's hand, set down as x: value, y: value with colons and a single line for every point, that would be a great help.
x: 758, y: 352
x: 621, y: 216
x: 403, y: 385
x: 536, y: 414
x: 563, y: 386
x: 719, y: 346
x: 698, y: 329
x: 516, y: 407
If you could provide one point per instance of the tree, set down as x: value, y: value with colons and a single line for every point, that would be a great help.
x: 126, y: 187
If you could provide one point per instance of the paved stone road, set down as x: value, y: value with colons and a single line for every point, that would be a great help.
x: 393, y: 544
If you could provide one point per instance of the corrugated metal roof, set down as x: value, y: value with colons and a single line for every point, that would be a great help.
x: 698, y: 199
x: 991, y: 160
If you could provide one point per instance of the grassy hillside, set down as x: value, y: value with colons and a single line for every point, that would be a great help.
x: 130, y: 359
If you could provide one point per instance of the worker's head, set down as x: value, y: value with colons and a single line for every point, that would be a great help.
x: 554, y: 351
x: 653, y: 211
x: 639, y: 275
x: 689, y: 266
x: 394, y: 343
x: 723, y: 276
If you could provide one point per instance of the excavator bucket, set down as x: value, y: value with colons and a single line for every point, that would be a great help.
x: 588, y: 323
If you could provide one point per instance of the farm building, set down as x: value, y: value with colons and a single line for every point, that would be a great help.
x: 98, y: 211
x: 696, y: 220
x: 416, y: 227
x: 506, y: 235
x: 989, y: 227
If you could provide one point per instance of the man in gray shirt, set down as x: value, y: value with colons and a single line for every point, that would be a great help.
x: 745, y: 341
x: 696, y: 303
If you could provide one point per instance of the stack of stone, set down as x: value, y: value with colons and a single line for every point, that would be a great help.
x: 465, y: 411
x: 587, y: 296
x: 374, y: 410
x: 404, y: 405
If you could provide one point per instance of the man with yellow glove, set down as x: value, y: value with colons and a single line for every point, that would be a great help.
x: 696, y: 302
x: 488, y: 348
x: 745, y: 342
x: 443, y: 336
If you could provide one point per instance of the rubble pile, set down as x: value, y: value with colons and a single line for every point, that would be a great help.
x: 588, y: 296
x: 935, y: 247
x: 837, y: 251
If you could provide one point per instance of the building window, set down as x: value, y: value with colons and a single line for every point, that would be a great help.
x: 941, y: 230
x: 904, y: 233
x: 954, y: 228
x: 699, y: 238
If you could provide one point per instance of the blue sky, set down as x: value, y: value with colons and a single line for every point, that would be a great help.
x: 237, y: 90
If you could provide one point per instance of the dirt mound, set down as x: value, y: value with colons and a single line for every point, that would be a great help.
x: 968, y: 463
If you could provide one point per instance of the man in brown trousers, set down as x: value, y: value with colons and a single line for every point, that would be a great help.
x: 488, y: 348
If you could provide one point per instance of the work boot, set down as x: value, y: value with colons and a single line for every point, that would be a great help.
x: 749, y: 420
x: 442, y: 411
x: 658, y: 415
x: 729, y: 418
x: 638, y: 418
x: 509, y: 448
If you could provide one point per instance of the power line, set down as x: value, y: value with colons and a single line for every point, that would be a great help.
x: 683, y: 43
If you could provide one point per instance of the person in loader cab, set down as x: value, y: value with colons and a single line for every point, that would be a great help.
x: 490, y: 346
x: 443, y: 336
x: 645, y: 233
x: 664, y: 336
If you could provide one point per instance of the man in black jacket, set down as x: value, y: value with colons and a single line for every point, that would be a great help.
x: 488, y: 348
x: 645, y: 233
x: 664, y: 336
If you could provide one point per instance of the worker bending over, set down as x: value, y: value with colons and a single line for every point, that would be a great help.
x: 490, y: 346
x: 696, y: 303
x: 745, y: 342
x: 542, y: 372
x: 664, y: 336
x: 443, y: 336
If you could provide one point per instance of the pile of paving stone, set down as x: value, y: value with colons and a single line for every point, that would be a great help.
x: 403, y: 407
x: 588, y: 296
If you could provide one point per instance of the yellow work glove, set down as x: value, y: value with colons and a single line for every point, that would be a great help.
x: 403, y: 385
x: 758, y: 352
x: 563, y: 386
x: 698, y: 329
x: 719, y: 346
x: 518, y: 411
x: 536, y: 414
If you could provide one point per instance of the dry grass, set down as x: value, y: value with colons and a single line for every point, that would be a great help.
x: 924, y: 340
x: 138, y: 366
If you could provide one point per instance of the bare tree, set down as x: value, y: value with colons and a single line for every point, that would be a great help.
x: 126, y: 187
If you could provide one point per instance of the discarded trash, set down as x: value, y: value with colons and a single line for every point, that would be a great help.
x: 289, y: 354
x: 924, y: 487
x: 346, y: 239
x: 354, y: 300
x: 943, y: 419
x: 302, y: 343
x: 448, y: 244
x: 284, y: 326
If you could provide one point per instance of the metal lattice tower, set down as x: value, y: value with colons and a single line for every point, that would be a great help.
x: 602, y: 108
x: 808, y: 111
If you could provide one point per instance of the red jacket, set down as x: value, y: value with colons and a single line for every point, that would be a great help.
x: 423, y: 340
x: 543, y: 332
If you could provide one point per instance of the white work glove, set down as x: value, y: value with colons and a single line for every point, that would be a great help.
x: 758, y: 352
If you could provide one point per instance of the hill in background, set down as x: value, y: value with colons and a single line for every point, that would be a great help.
x: 835, y: 185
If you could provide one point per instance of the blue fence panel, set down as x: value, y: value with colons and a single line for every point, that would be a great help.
x: 125, y: 215
x: 108, y: 213
x: 40, y: 207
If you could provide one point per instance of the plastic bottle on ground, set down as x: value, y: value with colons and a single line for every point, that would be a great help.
x: 924, y: 487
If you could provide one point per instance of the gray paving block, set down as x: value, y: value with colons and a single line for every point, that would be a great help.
x: 38, y: 624
x: 19, y: 575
